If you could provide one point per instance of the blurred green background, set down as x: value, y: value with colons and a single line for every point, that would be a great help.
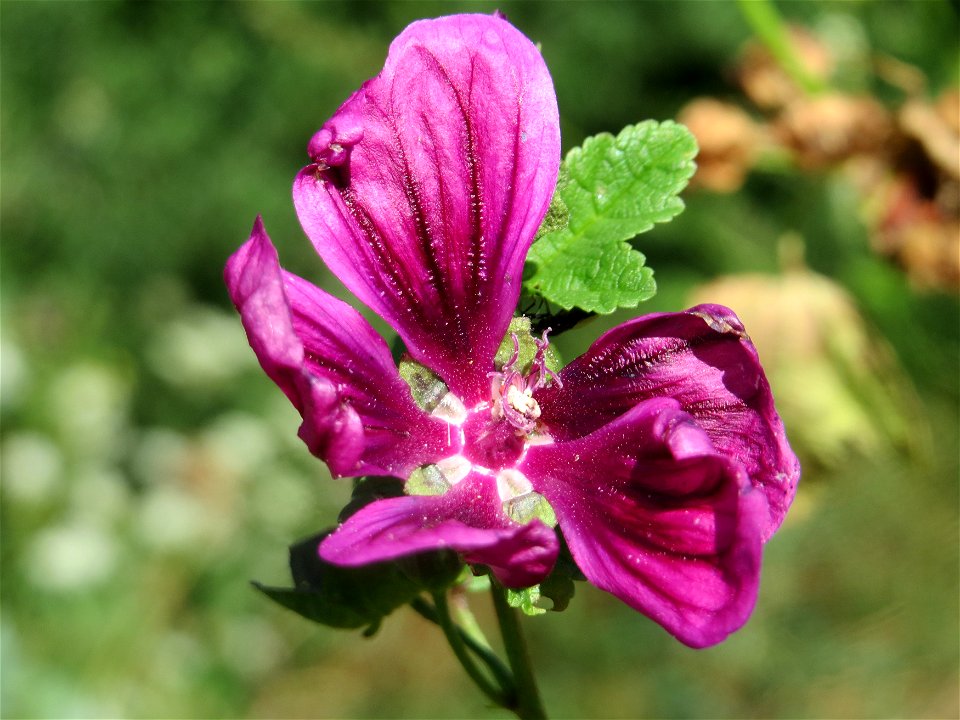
x: 150, y: 469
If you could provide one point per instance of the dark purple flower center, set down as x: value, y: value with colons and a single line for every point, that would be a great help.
x: 491, y: 443
x: 494, y: 435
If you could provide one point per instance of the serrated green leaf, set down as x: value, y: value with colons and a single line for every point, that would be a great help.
x: 316, y: 607
x: 341, y: 597
x: 616, y: 188
x: 372, y: 591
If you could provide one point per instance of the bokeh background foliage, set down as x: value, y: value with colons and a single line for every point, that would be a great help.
x: 150, y: 470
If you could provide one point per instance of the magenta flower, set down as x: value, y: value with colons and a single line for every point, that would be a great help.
x: 659, y: 450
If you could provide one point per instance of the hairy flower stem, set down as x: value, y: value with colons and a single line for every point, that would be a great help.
x: 505, y: 697
x: 528, y: 706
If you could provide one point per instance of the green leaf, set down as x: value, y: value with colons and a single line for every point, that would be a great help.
x: 317, y: 607
x: 337, y: 596
x: 613, y: 188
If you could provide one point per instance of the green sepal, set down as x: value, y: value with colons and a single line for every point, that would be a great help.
x: 617, y: 188
x: 425, y: 385
x: 426, y: 480
x: 526, y: 600
x: 432, y: 571
x: 553, y: 594
x: 475, y: 579
x: 558, y: 214
x: 530, y: 506
x: 559, y: 587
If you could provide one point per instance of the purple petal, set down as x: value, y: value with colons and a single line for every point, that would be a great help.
x: 702, y: 358
x: 428, y: 186
x: 468, y: 519
x: 358, y: 413
x: 653, y: 514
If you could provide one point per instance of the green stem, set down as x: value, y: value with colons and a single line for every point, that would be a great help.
x: 529, y: 706
x: 456, y: 639
x: 460, y: 609
x: 768, y: 25
x: 476, y: 644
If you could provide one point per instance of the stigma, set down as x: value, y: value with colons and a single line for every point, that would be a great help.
x: 511, y: 392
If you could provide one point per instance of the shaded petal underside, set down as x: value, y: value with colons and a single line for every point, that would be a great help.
x: 358, y: 413
x: 468, y: 519
x: 702, y: 358
x: 428, y: 186
x: 654, y: 515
